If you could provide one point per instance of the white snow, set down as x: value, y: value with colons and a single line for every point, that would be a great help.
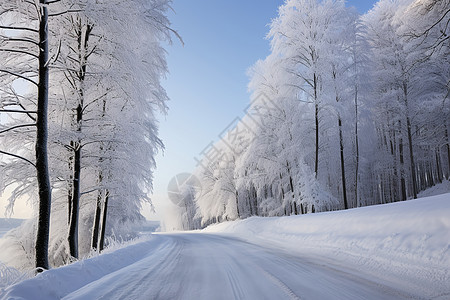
x: 393, y: 251
x: 405, y: 244
x: 438, y: 189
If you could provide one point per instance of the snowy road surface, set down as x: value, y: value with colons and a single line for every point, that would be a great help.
x: 393, y: 251
x: 206, y: 266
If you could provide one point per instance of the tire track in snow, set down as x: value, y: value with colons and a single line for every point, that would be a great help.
x: 128, y: 281
x: 238, y: 293
x: 290, y: 293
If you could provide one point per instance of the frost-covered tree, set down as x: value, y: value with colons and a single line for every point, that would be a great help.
x: 104, y: 89
x: 25, y: 43
x: 359, y: 85
x: 427, y: 21
x: 394, y: 70
x: 111, y: 124
x: 300, y: 35
x: 412, y: 86
x: 345, y: 112
x: 425, y: 29
x: 313, y: 39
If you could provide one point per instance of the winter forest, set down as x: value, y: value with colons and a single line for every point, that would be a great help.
x: 78, y: 135
x: 346, y: 111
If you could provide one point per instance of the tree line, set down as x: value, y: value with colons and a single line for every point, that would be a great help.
x: 79, y: 90
x: 346, y: 111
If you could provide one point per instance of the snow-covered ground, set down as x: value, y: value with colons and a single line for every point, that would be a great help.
x: 393, y: 251
x: 438, y: 189
x: 404, y: 244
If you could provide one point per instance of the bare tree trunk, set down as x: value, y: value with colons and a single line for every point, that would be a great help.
x: 341, y: 147
x: 431, y: 175
x: 73, y: 226
x: 357, y: 148
x: 255, y: 197
x: 392, y: 171
x: 402, y: 172
x: 316, y: 117
x: 237, y: 203
x: 81, y: 75
x: 411, y: 159
x: 438, y: 166
x: 69, y: 203
x: 70, y: 186
x: 98, y: 211
x: 448, y: 152
x: 341, y: 144
x: 411, y: 152
x: 43, y: 176
x: 105, y: 214
x: 402, y: 167
x: 291, y: 186
x: 255, y: 200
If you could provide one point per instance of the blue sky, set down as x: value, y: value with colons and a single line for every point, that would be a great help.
x: 207, y: 83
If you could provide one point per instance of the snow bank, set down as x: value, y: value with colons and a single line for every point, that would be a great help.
x: 406, y: 243
x: 438, y: 189
x: 59, y: 282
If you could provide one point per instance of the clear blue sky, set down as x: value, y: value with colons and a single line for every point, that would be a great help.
x: 207, y: 83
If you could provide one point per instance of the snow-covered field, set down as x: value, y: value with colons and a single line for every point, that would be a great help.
x: 393, y: 251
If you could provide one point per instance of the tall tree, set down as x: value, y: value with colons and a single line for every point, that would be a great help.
x: 43, y: 176
x: 40, y: 39
x: 107, y: 100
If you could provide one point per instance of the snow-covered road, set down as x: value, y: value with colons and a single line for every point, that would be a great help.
x: 394, y: 251
x: 207, y: 266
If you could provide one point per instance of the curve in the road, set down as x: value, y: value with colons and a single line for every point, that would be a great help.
x: 205, y: 266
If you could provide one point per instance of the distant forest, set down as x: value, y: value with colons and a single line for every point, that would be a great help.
x: 346, y: 111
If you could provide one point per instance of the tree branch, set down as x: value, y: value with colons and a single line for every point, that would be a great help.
x: 95, y: 100
x: 425, y: 33
x: 90, y: 191
x: 17, y: 156
x: 18, y: 28
x: 20, y: 76
x: 17, y: 126
x: 23, y: 107
x: 57, y: 53
x: 8, y: 39
x: 18, y: 111
x: 65, y: 12
x: 19, y: 51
